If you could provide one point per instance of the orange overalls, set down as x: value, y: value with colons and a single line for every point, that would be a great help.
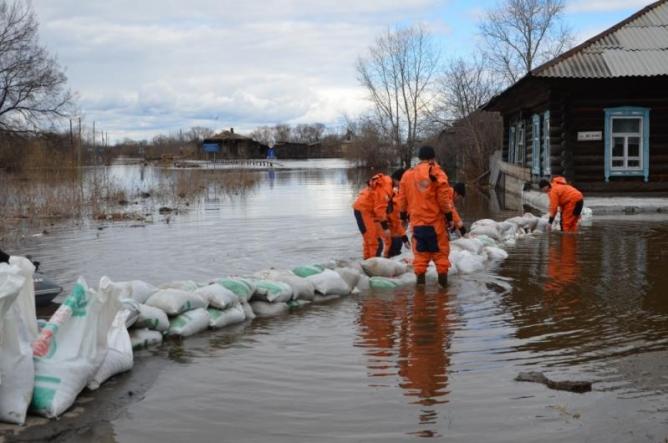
x: 370, y: 209
x: 425, y: 194
x: 565, y: 197
x: 393, y: 242
x: 562, y: 265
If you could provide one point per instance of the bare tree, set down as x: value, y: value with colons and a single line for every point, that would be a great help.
x: 471, y: 135
x: 282, y: 132
x: 308, y: 133
x: 264, y: 135
x: 522, y: 34
x: 32, y: 85
x: 197, y: 134
x: 397, y: 74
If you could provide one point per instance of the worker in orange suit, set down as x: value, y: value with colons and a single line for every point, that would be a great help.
x: 426, y: 196
x: 566, y: 198
x: 397, y: 237
x: 370, y: 209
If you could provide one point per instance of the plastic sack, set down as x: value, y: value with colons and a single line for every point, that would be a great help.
x: 135, y: 289
x: 272, y: 291
x: 405, y: 279
x: 264, y: 309
x: 248, y: 310
x: 175, y: 301
x: 221, y: 318
x: 241, y: 287
x: 495, y: 254
x: 144, y: 338
x: 329, y: 282
x: 350, y: 276
x: 302, y: 289
x: 473, y: 245
x: 119, y: 356
x: 383, y: 267
x: 189, y: 323
x: 71, y: 348
x: 218, y: 296
x: 463, y: 262
x: 18, y: 327
x: 491, y: 231
x: 152, y: 318
x: 307, y: 270
x: 182, y: 285
x: 130, y: 306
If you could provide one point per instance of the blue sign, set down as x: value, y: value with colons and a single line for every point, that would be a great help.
x: 211, y: 147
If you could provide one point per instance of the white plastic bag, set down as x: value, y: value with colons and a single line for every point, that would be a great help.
x: 329, y: 282
x: 189, y: 323
x: 119, y: 356
x: 248, y: 310
x: 302, y: 289
x: 495, y: 254
x: 218, y: 296
x: 18, y: 327
x: 131, y: 306
x: 473, y: 245
x: 350, y: 275
x: 71, y: 348
x: 272, y: 291
x: 241, y: 287
x: 144, y: 338
x: 383, y: 267
x: 175, y: 301
x: 136, y: 289
x: 152, y: 318
x: 183, y: 285
x: 229, y: 316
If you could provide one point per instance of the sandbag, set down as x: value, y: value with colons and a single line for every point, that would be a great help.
x: 241, y: 287
x: 495, y: 254
x: 119, y: 353
x: 264, y: 309
x: 221, y: 318
x: 189, y: 323
x: 350, y: 275
x: 182, y: 285
x: 18, y: 327
x: 473, y: 245
x: 144, y: 338
x: 152, y: 318
x: 272, y: 291
x: 463, y: 262
x: 485, y: 240
x: 491, y: 231
x: 175, y: 301
x: 329, y: 282
x: 298, y: 304
x: 307, y: 270
x: 71, y: 348
x: 408, y: 278
x: 218, y: 296
x: 302, y: 289
x: 131, y: 306
x: 135, y: 289
x: 383, y: 267
x: 248, y: 310
x: 363, y: 283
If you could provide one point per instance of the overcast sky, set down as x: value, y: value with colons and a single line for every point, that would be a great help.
x: 147, y: 67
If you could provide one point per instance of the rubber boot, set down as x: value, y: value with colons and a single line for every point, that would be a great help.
x: 443, y: 280
x: 421, y: 280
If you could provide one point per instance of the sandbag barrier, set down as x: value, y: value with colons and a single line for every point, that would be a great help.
x: 92, y: 336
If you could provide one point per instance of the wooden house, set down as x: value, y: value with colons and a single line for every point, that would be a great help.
x: 234, y: 146
x: 597, y: 114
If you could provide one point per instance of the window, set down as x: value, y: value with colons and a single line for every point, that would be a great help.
x: 626, y: 142
x: 511, y: 144
x: 519, y: 144
x: 547, y: 170
x: 535, y: 145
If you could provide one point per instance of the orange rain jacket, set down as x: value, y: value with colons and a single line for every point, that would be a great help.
x: 371, y: 210
x: 564, y: 196
x: 426, y: 195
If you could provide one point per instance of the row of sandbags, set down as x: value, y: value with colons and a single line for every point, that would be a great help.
x: 92, y: 335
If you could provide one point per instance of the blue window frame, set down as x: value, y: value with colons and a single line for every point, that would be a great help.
x: 535, y: 145
x: 626, y: 142
x: 547, y: 170
x: 511, y: 144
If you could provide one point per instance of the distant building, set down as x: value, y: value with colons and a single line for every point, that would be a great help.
x: 293, y: 150
x: 228, y: 144
x: 597, y: 114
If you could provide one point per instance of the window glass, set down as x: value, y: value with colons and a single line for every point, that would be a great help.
x: 634, y: 163
x: 634, y: 147
x: 618, y: 163
x: 618, y: 147
x: 626, y: 125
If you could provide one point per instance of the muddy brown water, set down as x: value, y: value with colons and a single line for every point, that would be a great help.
x: 383, y: 366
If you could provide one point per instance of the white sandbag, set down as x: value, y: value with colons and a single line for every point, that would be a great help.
x: 350, y: 275
x: 363, y: 283
x: 135, y: 289
x: 307, y: 270
x: 248, y: 310
x: 18, y: 327
x: 383, y: 267
x: 119, y: 353
x: 473, y: 245
x: 71, y: 348
x: 485, y: 240
x: 221, y: 318
x: 144, y: 338
x: 406, y: 279
x: 302, y: 289
x: 483, y: 222
x: 272, y: 291
x: 495, y: 254
x: 183, y: 285
x: 329, y: 282
x: 464, y: 262
x: 264, y: 309
x: 541, y: 226
x: 131, y: 307
x: 175, y: 301
x: 298, y: 304
x: 241, y: 287
x: 152, y: 318
x: 491, y: 231
x: 189, y: 323
x: 218, y: 296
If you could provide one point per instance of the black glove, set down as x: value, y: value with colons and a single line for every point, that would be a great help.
x: 404, y: 216
x: 405, y: 241
x: 551, y: 220
x: 448, y: 217
x: 384, y: 225
x: 462, y: 230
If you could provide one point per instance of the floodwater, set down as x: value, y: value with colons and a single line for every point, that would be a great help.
x: 386, y: 366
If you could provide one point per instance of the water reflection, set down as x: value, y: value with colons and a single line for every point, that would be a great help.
x: 562, y: 266
x: 407, y: 340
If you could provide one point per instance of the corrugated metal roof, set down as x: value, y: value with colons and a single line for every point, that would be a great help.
x: 637, y: 46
